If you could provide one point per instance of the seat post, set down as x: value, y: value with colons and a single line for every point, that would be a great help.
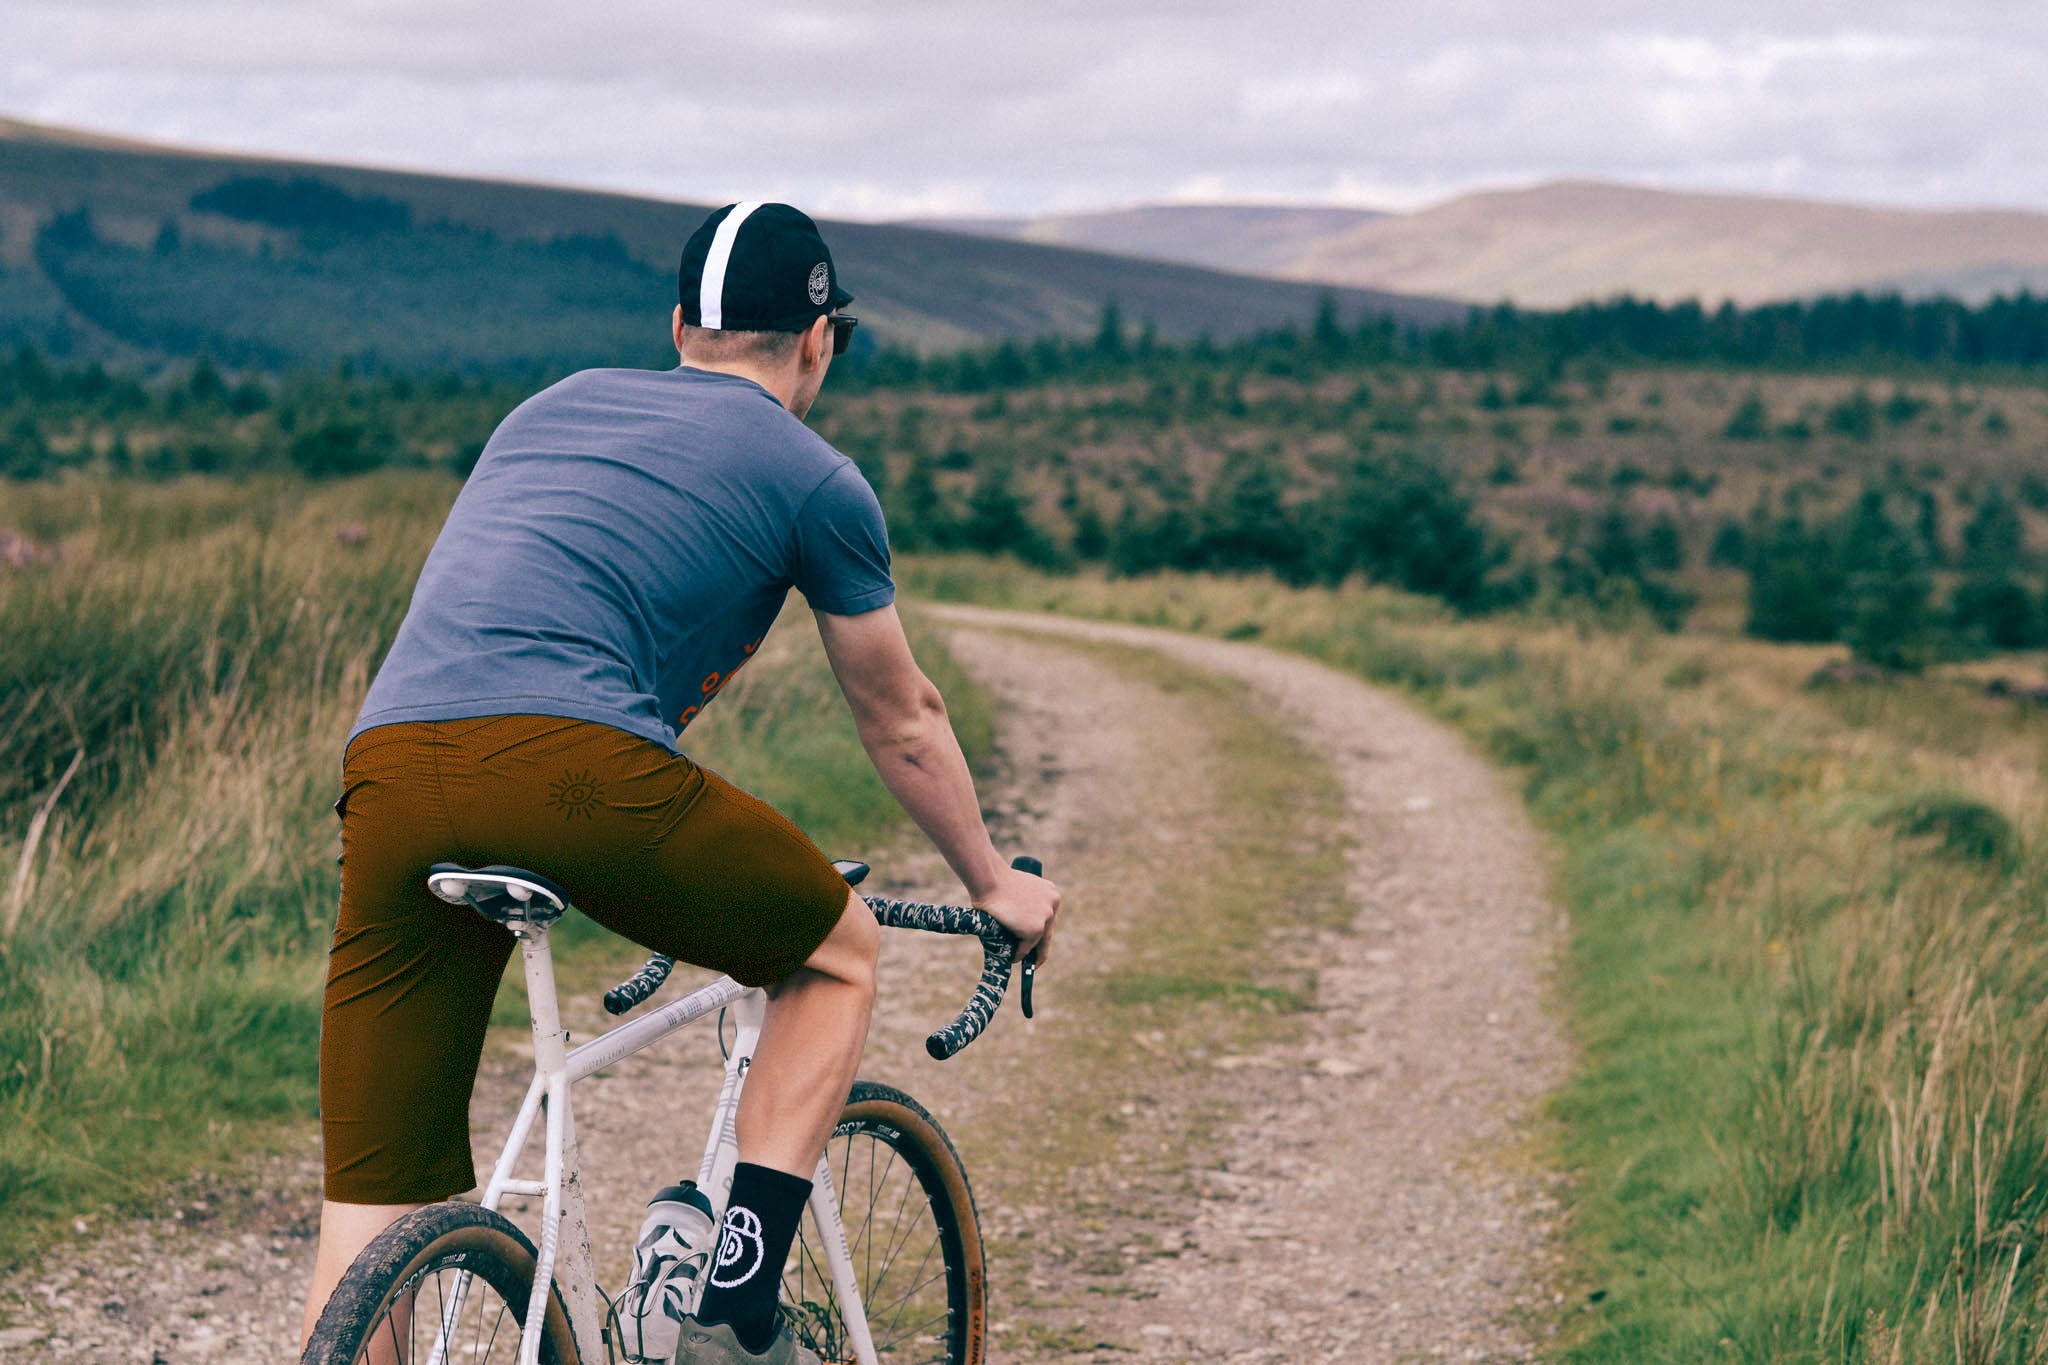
x: 565, y: 1228
x: 550, y: 1043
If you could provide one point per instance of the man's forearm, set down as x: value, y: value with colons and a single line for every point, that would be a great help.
x: 921, y: 764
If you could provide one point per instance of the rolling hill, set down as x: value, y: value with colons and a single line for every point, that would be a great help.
x: 1554, y: 245
x: 1557, y: 244
x: 118, y: 248
x: 1259, y: 239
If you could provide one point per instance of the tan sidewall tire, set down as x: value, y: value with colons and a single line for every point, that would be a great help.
x: 491, y: 1246
x: 925, y: 1145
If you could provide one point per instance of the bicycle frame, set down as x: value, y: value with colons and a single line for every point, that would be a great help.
x: 565, y: 1255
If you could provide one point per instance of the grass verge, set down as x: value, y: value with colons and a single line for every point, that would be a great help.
x: 1806, y: 970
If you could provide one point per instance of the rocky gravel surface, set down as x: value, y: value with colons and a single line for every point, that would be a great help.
x: 1375, y: 1197
x: 1379, y: 1201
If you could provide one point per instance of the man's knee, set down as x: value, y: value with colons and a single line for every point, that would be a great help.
x: 850, y: 952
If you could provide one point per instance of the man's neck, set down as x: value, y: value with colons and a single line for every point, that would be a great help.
x: 780, y: 381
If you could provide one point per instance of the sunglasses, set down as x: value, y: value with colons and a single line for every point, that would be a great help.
x: 842, y: 331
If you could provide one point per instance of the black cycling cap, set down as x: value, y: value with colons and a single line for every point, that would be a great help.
x: 757, y: 267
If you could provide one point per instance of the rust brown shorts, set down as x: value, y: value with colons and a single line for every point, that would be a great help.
x: 647, y: 843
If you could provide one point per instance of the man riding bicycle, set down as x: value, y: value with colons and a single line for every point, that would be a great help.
x: 621, y: 549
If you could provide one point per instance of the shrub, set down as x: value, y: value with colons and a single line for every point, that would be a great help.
x: 334, y: 449
x: 1961, y: 827
x: 1750, y: 420
x: 1854, y: 417
x: 1730, y: 548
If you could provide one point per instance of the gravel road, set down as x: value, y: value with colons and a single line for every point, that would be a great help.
x: 1379, y: 1202
x: 1374, y: 1197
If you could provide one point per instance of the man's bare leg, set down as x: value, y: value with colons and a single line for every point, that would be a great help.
x: 345, y: 1229
x: 811, y: 1041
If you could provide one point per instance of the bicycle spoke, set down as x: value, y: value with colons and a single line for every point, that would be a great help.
x: 867, y: 1246
x: 879, y: 1310
x: 940, y: 1322
x: 867, y: 1242
x: 922, y: 1262
x: 441, y: 1318
x: 496, y: 1323
x: 826, y: 1285
x: 845, y: 1175
x: 897, y: 1244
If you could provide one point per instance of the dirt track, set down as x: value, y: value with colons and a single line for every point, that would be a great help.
x: 1369, y: 1195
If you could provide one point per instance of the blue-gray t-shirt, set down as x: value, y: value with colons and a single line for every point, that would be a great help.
x: 622, y: 547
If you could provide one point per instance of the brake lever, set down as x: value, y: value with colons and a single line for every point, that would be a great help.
x: 1030, y: 964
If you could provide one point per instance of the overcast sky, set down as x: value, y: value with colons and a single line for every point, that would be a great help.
x: 882, y: 108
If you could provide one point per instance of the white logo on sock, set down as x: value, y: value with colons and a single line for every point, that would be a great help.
x: 739, y: 1242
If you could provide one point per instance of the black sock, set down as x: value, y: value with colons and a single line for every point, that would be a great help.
x: 753, y: 1242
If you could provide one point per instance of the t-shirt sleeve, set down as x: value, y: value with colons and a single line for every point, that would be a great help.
x: 842, y: 547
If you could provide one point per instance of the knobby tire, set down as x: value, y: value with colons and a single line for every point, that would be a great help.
x: 385, y: 1310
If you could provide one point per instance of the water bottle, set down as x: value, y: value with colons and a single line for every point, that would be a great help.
x: 668, y: 1263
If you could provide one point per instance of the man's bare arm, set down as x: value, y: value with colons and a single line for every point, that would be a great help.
x: 903, y: 725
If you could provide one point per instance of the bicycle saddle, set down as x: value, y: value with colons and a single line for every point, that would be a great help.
x: 507, y: 895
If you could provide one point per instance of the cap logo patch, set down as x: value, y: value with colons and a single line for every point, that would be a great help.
x: 821, y: 283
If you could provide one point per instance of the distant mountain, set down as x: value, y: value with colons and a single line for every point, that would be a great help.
x: 119, y: 248
x: 1557, y: 244
x: 1258, y: 239
x: 1554, y: 245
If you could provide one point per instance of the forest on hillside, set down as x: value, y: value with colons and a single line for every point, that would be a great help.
x: 1863, y: 470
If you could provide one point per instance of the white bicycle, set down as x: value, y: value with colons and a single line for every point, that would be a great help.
x: 887, y: 1265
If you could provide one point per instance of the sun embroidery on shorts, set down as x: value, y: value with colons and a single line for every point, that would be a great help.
x: 575, y: 794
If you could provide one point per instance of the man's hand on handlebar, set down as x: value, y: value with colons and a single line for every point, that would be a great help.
x: 1028, y: 907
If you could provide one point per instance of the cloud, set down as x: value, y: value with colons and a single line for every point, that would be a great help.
x: 881, y: 107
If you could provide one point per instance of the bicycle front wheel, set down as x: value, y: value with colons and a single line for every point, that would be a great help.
x: 450, y: 1273
x: 913, y: 1234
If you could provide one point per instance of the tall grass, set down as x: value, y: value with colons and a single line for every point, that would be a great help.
x: 1808, y: 970
x: 192, y: 660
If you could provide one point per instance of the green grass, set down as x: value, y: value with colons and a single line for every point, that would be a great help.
x: 1805, y: 971
x: 205, y: 647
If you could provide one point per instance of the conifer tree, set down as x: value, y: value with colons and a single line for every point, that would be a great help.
x: 1109, y: 333
x: 1730, y: 549
x: 918, y: 518
x: 1615, y: 551
x: 24, y: 454
x: 1795, y: 581
x: 1992, y: 606
x: 996, y: 521
x: 1888, y: 622
x: 1664, y: 544
x: 1246, y: 525
x: 1090, y: 539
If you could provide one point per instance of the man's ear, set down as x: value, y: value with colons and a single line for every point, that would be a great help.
x: 676, y: 328
x: 816, y: 342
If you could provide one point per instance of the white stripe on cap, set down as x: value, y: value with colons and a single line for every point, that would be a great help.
x: 711, y: 298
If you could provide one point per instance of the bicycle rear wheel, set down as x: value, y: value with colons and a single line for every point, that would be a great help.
x: 914, y: 1236
x: 453, y: 1267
